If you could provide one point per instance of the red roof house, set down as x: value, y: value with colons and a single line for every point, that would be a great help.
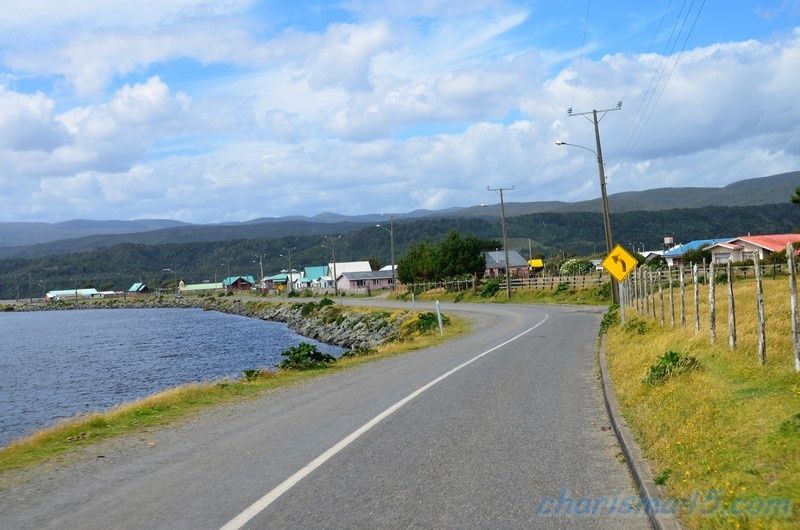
x: 745, y: 247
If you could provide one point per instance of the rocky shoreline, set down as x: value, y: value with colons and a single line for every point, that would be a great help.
x: 329, y: 323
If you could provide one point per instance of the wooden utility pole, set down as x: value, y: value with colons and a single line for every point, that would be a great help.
x: 505, y: 235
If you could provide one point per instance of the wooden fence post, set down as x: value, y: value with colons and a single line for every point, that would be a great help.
x: 661, y: 296
x: 790, y: 259
x: 712, y: 305
x: 646, y: 293
x: 653, y: 293
x: 731, y: 309
x: 683, y: 299
x: 671, y: 299
x: 762, y: 333
x: 696, y: 299
x: 638, y: 289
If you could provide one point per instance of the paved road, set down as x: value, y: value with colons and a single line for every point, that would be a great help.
x: 491, y: 445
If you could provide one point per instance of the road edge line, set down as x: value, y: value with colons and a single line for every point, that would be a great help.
x: 275, y: 493
x: 638, y: 466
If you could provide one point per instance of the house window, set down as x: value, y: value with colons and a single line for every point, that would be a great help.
x: 722, y: 257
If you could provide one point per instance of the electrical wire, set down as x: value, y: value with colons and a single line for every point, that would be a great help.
x: 580, y: 59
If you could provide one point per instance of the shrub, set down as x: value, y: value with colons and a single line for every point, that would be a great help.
x: 305, y: 356
x: 220, y: 294
x: 576, y: 266
x: 669, y: 364
x: 8, y: 308
x: 563, y: 287
x: 610, y: 318
x: 360, y: 351
x: 458, y: 297
x: 325, y: 301
x: 292, y: 294
x: 252, y: 375
x: 662, y: 476
x: 427, y: 322
x: 604, y: 291
x: 635, y: 325
x: 490, y: 288
x: 229, y: 293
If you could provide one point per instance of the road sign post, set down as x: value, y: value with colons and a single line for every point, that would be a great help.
x: 619, y: 263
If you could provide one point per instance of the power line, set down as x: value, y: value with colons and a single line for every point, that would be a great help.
x: 580, y: 59
x: 666, y: 82
x: 649, y: 49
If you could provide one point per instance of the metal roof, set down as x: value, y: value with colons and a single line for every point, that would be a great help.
x: 230, y: 280
x: 773, y: 242
x: 364, y: 275
x: 202, y: 286
x: 137, y: 287
x: 315, y: 272
x: 72, y: 292
x: 497, y: 259
x: 679, y: 250
x: 350, y: 266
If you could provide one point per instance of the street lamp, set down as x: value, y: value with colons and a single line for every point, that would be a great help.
x: 391, y: 239
x: 604, y: 197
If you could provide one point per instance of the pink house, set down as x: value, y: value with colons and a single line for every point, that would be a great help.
x: 745, y: 247
x: 370, y: 281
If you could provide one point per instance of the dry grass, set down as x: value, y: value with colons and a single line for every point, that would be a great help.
x: 731, y: 426
x: 182, y: 402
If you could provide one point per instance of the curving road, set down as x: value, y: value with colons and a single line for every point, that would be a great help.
x: 504, y: 428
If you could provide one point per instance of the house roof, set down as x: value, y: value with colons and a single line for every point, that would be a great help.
x: 679, y: 250
x: 201, y: 286
x: 364, y: 275
x: 230, y: 280
x: 72, y: 292
x: 315, y: 272
x: 350, y: 266
x: 496, y: 259
x: 388, y: 267
x: 773, y: 242
x: 137, y: 287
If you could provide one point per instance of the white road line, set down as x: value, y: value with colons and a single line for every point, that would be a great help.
x: 261, y: 504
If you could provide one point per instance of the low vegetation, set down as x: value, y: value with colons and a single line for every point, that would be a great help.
x: 711, y: 420
x: 301, y: 364
x: 491, y: 292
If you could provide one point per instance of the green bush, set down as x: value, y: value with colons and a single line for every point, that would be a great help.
x: 360, y: 351
x: 305, y: 356
x: 610, y: 318
x: 662, y: 476
x: 669, y: 364
x: 229, y: 293
x: 458, y: 297
x: 576, y: 266
x: 8, y: 308
x: 325, y: 301
x: 563, y: 287
x: 427, y: 322
x: 635, y: 325
x: 490, y: 288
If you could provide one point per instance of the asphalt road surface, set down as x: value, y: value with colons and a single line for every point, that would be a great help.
x: 504, y: 428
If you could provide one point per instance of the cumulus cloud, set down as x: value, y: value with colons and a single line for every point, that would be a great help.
x: 27, y: 122
x: 413, y: 105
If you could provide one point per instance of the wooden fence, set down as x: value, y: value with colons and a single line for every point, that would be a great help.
x: 662, y: 296
x: 583, y: 281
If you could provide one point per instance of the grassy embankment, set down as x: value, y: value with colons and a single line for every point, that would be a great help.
x: 727, y: 425
x: 183, y: 401
x: 589, y: 296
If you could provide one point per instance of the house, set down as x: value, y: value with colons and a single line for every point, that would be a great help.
x: 316, y: 276
x: 746, y: 247
x: 72, y: 294
x: 674, y: 255
x: 369, y: 280
x: 138, y: 288
x: 238, y: 283
x: 496, y: 264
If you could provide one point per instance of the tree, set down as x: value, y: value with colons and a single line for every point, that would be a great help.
x: 696, y: 256
x: 419, y: 264
x: 374, y: 263
x: 796, y: 196
x: 460, y: 255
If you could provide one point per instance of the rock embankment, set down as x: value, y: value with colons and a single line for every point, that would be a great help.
x: 333, y: 324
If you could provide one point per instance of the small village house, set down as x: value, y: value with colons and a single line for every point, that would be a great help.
x: 674, y: 255
x: 139, y: 288
x: 363, y: 280
x: 238, y: 283
x: 496, y: 264
x: 746, y: 247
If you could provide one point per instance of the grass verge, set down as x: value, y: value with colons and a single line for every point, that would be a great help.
x: 183, y: 401
x: 716, y: 427
x: 591, y: 296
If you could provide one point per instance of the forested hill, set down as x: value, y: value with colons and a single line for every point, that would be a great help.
x: 120, y: 265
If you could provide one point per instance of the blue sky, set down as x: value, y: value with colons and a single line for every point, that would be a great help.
x: 225, y: 111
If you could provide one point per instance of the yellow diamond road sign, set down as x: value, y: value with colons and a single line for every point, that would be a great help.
x: 619, y: 263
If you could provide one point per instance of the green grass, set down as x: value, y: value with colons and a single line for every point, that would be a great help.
x: 182, y: 402
x: 727, y: 424
x: 591, y: 296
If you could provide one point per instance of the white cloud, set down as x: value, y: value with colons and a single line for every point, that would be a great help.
x: 27, y: 122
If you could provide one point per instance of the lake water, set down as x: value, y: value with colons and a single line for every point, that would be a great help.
x: 55, y: 364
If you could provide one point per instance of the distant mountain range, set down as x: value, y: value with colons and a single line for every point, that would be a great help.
x: 28, y: 240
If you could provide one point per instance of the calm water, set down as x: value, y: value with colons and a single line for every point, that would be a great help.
x: 55, y: 364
